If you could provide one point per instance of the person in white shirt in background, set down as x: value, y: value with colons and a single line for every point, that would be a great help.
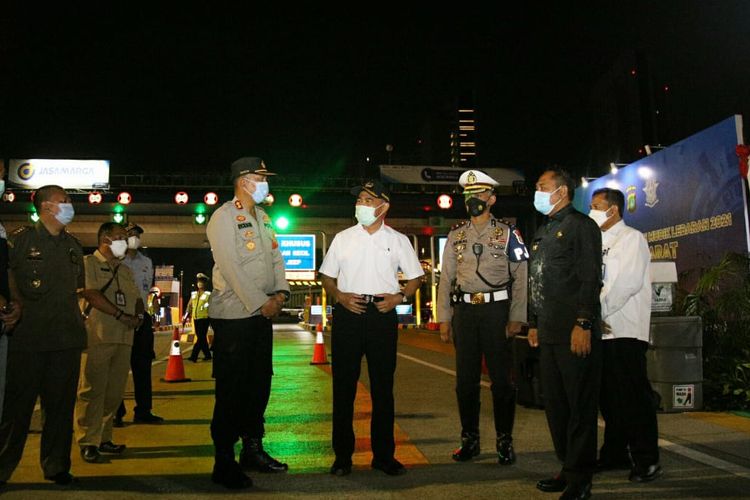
x: 626, y: 401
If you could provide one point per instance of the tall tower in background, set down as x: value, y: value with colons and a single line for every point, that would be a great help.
x: 463, y: 135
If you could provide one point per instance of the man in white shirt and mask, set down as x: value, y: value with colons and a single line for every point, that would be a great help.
x: 626, y: 399
x: 360, y: 271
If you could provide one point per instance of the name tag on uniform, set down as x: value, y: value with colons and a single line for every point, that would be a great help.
x: 120, y: 299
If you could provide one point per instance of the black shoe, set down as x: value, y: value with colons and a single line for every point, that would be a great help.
x: 62, y: 478
x: 577, y: 492
x: 391, y: 467
x: 505, y: 453
x: 254, y: 457
x: 111, y: 448
x: 90, y: 454
x: 341, y: 468
x: 641, y: 475
x: 147, y: 418
x: 207, y: 358
x: 229, y: 475
x: 117, y: 422
x: 552, y: 485
x: 194, y: 360
x: 605, y: 465
x: 469, y: 448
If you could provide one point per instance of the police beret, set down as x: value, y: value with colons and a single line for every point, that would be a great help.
x: 374, y: 188
x: 476, y: 181
x: 248, y: 165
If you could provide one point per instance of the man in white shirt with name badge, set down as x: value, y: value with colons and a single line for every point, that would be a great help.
x: 626, y: 399
x: 360, y: 271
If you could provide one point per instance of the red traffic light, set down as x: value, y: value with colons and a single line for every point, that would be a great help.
x: 181, y: 198
x: 211, y: 198
x: 444, y: 201
x: 295, y: 200
x: 124, y: 198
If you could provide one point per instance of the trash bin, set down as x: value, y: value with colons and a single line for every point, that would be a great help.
x: 675, y: 362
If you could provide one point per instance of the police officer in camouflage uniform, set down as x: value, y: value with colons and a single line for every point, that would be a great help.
x: 481, y: 306
x: 44, y: 359
x: 249, y: 289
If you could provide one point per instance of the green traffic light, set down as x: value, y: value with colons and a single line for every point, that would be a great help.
x: 281, y: 223
x: 118, y: 217
x: 199, y: 218
x: 34, y: 217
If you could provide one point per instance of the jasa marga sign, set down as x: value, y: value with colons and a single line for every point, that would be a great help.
x: 69, y: 174
x: 688, y: 199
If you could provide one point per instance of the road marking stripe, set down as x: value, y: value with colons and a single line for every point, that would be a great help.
x: 690, y: 453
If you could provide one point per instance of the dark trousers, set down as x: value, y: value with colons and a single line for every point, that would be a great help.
x: 480, y: 330
x: 201, y: 344
x: 140, y: 365
x: 374, y: 335
x: 627, y: 404
x: 52, y: 376
x: 243, y: 366
x: 571, y: 402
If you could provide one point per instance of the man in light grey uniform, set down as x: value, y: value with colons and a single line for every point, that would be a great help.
x: 249, y: 289
x: 482, y: 305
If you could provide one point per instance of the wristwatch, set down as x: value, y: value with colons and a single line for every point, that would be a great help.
x: 584, y: 323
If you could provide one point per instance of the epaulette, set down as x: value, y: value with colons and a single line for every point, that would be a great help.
x: 16, y: 233
x: 73, y: 237
x: 460, y: 224
x: 506, y: 222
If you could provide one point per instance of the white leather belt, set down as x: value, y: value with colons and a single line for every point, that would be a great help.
x: 481, y: 297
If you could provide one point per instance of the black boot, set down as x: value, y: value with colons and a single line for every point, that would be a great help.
x: 228, y: 473
x: 254, y: 457
x: 505, y: 453
x: 469, y: 447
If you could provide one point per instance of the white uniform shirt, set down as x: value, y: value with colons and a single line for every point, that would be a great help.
x: 626, y: 294
x: 143, y: 273
x: 365, y: 263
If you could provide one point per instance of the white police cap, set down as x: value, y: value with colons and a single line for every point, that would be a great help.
x: 476, y: 181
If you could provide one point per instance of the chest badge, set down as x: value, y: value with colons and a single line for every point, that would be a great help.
x: 36, y: 283
x: 534, y: 246
x: 241, y: 218
x: 249, y: 234
x: 250, y: 245
x: 559, y: 234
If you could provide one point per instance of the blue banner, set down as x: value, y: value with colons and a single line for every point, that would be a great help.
x: 688, y: 199
x: 298, y: 251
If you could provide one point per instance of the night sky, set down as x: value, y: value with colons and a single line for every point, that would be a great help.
x: 320, y: 90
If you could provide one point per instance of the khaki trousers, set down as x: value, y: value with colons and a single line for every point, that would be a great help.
x: 104, y: 373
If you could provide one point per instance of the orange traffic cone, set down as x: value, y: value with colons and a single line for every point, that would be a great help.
x: 175, y: 369
x: 484, y: 366
x: 319, y: 354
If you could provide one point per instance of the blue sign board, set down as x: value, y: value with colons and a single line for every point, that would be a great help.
x: 688, y: 199
x: 298, y: 251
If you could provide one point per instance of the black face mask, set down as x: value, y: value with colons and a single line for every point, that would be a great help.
x: 475, y: 206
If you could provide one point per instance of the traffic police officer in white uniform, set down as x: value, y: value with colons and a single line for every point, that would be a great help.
x: 249, y: 289
x: 482, y: 305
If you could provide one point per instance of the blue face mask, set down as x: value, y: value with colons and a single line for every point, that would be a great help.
x: 65, y: 215
x: 541, y: 201
x: 260, y: 193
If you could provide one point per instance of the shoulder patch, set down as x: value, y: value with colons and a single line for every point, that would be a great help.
x: 459, y: 224
x: 20, y: 230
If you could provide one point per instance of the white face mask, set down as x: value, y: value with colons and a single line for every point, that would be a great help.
x: 134, y: 242
x: 365, y: 215
x: 119, y: 248
x: 260, y: 193
x: 599, y: 216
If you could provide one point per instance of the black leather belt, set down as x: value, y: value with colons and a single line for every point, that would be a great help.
x: 372, y: 298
